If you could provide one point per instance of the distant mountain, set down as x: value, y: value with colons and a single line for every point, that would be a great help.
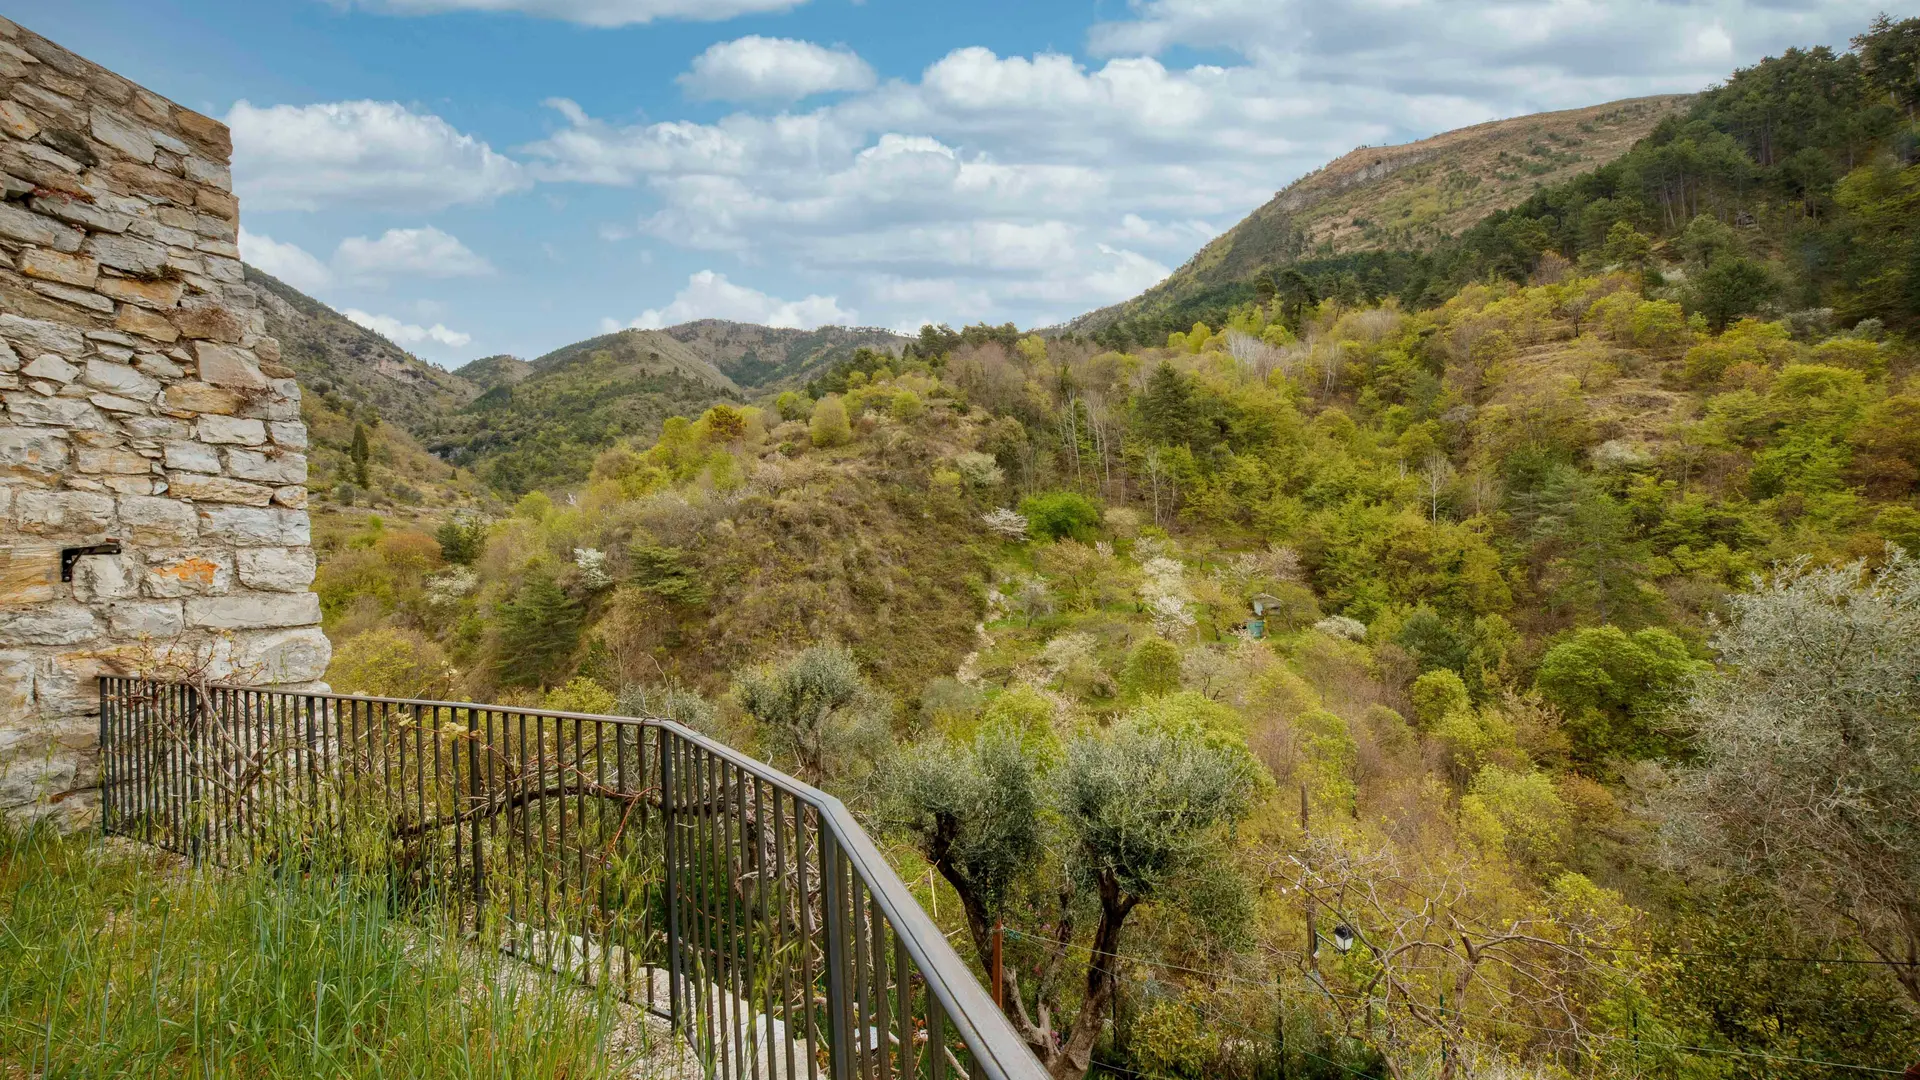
x: 491, y: 371
x: 764, y: 356
x: 329, y: 354
x: 1402, y: 197
x: 522, y: 425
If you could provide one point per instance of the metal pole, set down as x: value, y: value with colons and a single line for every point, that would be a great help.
x: 670, y: 830
x: 833, y: 900
x: 477, y: 796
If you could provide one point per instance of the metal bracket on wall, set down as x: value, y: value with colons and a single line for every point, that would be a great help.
x: 68, y: 556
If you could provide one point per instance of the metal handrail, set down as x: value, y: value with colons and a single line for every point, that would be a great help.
x: 891, y: 983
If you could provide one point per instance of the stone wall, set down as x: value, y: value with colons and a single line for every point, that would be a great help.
x: 143, y: 404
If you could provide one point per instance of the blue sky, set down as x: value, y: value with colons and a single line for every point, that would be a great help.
x: 481, y: 176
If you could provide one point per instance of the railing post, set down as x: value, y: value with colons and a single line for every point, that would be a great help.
x: 839, y: 982
x: 196, y: 708
x: 475, y: 795
x: 670, y: 848
x: 106, y: 760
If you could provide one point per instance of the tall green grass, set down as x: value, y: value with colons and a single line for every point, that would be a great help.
x: 117, y: 963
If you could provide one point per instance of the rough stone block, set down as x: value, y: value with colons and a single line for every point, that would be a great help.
x: 210, y: 322
x: 128, y: 253
x: 150, y: 428
x: 284, y: 656
x: 244, y: 526
x: 116, y: 404
x: 121, y: 379
x: 55, y: 624
x: 123, y: 135
x: 267, y: 468
x: 151, y: 520
x: 213, y: 174
x: 68, y: 294
x: 193, y: 457
x: 160, y: 295
x: 16, y: 121
x: 29, y: 573
x: 38, y: 336
x: 254, y: 611
x: 226, y: 365
x: 231, y: 430
x: 135, y: 319
x: 151, y: 181
x: 90, y: 459
x: 35, y: 452
x: 29, y: 408
x: 105, y: 577
x: 188, y: 573
x: 289, y: 434
x: 276, y: 569
x: 54, y: 266
x: 146, y: 619
x: 293, y: 496
x: 63, y: 513
x: 52, y: 368
x: 222, y: 489
x: 198, y: 397
x: 80, y: 212
x: 27, y: 227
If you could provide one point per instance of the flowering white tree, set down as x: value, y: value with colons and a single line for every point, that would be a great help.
x: 1006, y: 524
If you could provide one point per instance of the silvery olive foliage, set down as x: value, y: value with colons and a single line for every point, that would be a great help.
x: 817, y: 710
x: 1140, y: 811
x: 1808, y: 741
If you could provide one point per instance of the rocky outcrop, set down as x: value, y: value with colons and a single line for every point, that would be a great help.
x: 143, y: 407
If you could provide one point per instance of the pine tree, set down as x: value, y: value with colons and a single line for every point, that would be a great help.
x: 360, y: 453
x: 539, y: 631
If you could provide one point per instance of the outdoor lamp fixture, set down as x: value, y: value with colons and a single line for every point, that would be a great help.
x: 1343, y: 937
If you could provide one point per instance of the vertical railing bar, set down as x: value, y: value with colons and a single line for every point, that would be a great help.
x: 808, y: 927
x: 719, y: 898
x: 475, y: 805
x: 702, y: 864
x: 740, y: 943
x: 863, y: 964
x: 670, y: 845
x: 768, y: 935
x: 877, y: 922
x: 782, y: 936
x: 903, y: 1013
x: 607, y: 844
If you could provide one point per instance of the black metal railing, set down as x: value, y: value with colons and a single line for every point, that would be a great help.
x: 748, y: 908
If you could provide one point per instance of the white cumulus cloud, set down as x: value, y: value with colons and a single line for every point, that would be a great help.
x: 290, y: 263
x: 371, y: 154
x: 422, y: 252
x: 710, y: 295
x: 407, y: 334
x: 779, y: 69
x: 591, y: 12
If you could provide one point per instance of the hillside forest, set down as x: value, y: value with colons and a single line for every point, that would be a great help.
x: 1495, y: 659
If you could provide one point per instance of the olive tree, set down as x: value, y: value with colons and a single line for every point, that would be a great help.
x: 1808, y: 740
x: 816, y: 710
x: 1136, y: 812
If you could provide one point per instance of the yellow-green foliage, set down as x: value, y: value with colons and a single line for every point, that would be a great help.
x: 1520, y: 812
x: 1436, y: 694
x: 829, y: 426
x: 580, y: 695
x: 1748, y: 346
x: 391, y: 662
x: 1327, y: 759
x: 1170, y: 1038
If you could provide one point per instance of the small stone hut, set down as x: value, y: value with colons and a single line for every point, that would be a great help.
x: 152, y: 457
